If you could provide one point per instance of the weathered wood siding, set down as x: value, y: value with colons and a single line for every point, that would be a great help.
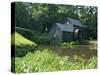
x: 55, y: 35
x: 67, y: 36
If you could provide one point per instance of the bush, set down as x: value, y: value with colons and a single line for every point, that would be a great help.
x: 45, y: 60
x: 42, y: 38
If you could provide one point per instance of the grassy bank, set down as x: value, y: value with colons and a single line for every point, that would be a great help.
x: 45, y: 60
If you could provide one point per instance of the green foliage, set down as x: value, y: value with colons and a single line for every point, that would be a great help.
x: 21, y: 15
x: 85, y: 42
x: 82, y: 42
x: 22, y: 45
x: 45, y: 60
x: 38, y: 16
x: 41, y: 38
x: 67, y: 45
x: 92, y: 63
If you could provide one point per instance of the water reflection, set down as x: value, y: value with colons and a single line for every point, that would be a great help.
x: 83, y: 51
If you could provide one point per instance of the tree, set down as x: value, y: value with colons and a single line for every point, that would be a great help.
x: 39, y: 17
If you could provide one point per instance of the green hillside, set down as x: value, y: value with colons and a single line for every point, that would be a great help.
x: 22, y: 44
x: 18, y: 39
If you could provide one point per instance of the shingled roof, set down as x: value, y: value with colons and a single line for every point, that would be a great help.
x: 74, y: 22
x: 63, y: 27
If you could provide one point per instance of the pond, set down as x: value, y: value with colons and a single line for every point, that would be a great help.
x: 83, y: 51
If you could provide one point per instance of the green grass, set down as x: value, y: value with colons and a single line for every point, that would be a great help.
x: 18, y: 39
x: 22, y: 44
x: 45, y: 60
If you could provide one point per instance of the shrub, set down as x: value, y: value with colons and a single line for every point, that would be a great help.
x: 42, y: 38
